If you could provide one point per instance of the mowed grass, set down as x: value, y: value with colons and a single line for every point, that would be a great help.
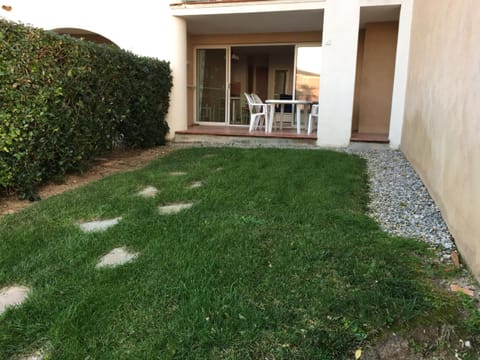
x: 276, y: 259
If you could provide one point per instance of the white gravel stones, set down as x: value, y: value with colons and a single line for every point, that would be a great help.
x: 100, y: 225
x: 12, y: 296
x: 148, y: 192
x: 173, y: 208
x: 116, y: 257
x: 400, y: 203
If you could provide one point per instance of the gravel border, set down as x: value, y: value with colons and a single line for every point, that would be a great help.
x: 400, y: 202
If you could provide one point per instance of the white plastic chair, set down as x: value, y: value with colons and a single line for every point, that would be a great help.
x: 258, y: 111
x: 313, y: 113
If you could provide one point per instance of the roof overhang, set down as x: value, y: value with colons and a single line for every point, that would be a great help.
x: 252, y: 16
x: 188, y: 9
x: 272, y: 16
x: 294, y: 21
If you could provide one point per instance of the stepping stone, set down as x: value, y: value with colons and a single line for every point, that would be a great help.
x: 178, y: 173
x: 12, y: 296
x: 116, y: 257
x: 148, y: 192
x: 209, y: 155
x: 219, y: 168
x: 173, y: 208
x: 100, y: 225
x: 195, y: 184
x: 37, y: 355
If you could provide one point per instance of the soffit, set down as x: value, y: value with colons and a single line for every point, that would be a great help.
x: 279, y: 21
x: 265, y: 22
x: 370, y: 14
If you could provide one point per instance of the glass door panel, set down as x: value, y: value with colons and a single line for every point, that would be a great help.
x: 307, y: 78
x: 265, y: 70
x: 239, y: 114
x: 211, y: 85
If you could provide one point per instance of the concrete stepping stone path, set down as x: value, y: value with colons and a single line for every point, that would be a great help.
x: 116, y: 257
x: 148, y: 192
x: 37, y: 355
x: 173, y: 208
x: 100, y: 225
x: 195, y: 184
x: 12, y: 296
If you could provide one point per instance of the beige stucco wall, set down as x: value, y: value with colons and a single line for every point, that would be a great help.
x: 441, y: 132
x: 265, y: 38
x: 376, y: 81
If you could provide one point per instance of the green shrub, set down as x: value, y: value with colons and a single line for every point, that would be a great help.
x: 64, y: 101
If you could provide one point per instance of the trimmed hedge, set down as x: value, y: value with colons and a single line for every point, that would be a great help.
x: 64, y: 101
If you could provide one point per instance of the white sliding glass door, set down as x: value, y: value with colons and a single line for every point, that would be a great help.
x: 211, y: 85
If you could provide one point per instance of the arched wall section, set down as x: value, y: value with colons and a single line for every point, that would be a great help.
x: 141, y: 27
x: 85, y: 35
x: 144, y: 27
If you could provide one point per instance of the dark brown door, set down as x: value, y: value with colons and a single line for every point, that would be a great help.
x: 261, y: 82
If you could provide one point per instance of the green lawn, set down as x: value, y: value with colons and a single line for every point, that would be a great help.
x: 276, y: 259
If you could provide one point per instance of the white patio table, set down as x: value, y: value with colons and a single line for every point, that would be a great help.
x: 296, y: 103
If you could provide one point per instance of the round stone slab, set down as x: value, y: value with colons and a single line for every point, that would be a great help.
x: 148, y: 192
x: 100, y: 225
x: 195, y: 184
x: 116, y: 257
x: 12, y: 296
x: 37, y: 355
x: 173, y: 208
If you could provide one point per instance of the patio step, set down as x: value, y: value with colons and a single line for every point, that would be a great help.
x: 242, y: 140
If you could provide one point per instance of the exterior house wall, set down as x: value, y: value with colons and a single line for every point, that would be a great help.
x: 92, y: 37
x: 401, y: 71
x: 441, y: 127
x: 337, y: 85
